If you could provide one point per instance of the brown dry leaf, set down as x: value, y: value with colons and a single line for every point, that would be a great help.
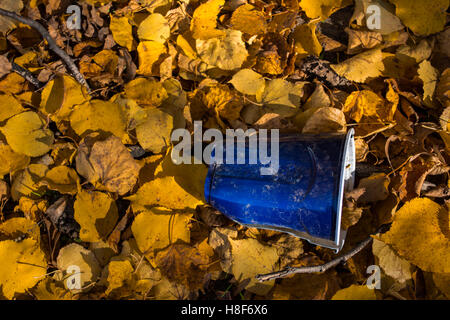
x: 184, y: 264
x: 6, y: 24
x: 376, y: 188
x: 394, y: 266
x: 97, y: 214
x: 307, y: 286
x: 75, y: 255
x: 420, y: 234
x: 107, y: 163
x: 389, y: 22
x: 360, y: 40
x: 324, y: 120
x: 5, y: 66
x: 442, y: 281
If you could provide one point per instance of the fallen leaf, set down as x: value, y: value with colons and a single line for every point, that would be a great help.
x: 27, y: 133
x: 154, y: 28
x: 248, y: 19
x: 73, y: 257
x: 394, y: 266
x: 248, y: 82
x: 419, y: 234
x: 361, y: 67
x: 107, y: 163
x: 204, y: 20
x: 420, y: 17
x: 166, y: 228
x: 121, y: 30
x: 227, y: 53
x: 153, y: 132
x: 97, y: 214
x: 23, y: 265
x: 355, y: 292
x: 249, y: 258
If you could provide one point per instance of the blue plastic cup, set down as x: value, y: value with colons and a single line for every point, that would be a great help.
x: 303, y: 198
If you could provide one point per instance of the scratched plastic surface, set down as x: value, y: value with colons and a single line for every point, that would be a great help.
x: 302, y: 196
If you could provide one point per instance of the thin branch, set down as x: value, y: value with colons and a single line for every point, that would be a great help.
x: 51, y: 43
x: 323, y: 267
x: 27, y: 75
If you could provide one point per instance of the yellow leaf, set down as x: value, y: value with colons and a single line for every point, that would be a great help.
x: 27, y: 133
x: 359, y: 40
x: 9, y: 106
x: 323, y: 120
x: 106, y: 61
x: 74, y: 255
x: 149, y: 57
x: 49, y: 289
x: 394, y: 266
x: 429, y: 76
x: 23, y: 265
x: 361, y: 67
x: 355, y: 292
x: 62, y: 179
x: 226, y: 53
x: 98, y: 115
x: 419, y: 234
x: 120, y: 278
x: 305, y: 41
x: 320, y: 8
x: 122, y: 31
x: 60, y: 96
x: 155, y: 231
x: 248, y: 82
x: 154, y: 28
x: 203, y: 25
x: 26, y: 182
x: 14, y: 228
x: 146, y: 92
x: 190, y: 177
x: 11, y: 161
x: 442, y: 281
x: 97, y: 214
x: 282, y: 97
x: 422, y: 16
x: 248, y: 19
x: 224, y: 101
x: 249, y: 258
x: 153, y: 133
x: 165, y: 192
x: 107, y: 164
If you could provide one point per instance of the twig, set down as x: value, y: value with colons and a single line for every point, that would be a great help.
x: 27, y: 75
x: 323, y: 267
x: 51, y: 43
